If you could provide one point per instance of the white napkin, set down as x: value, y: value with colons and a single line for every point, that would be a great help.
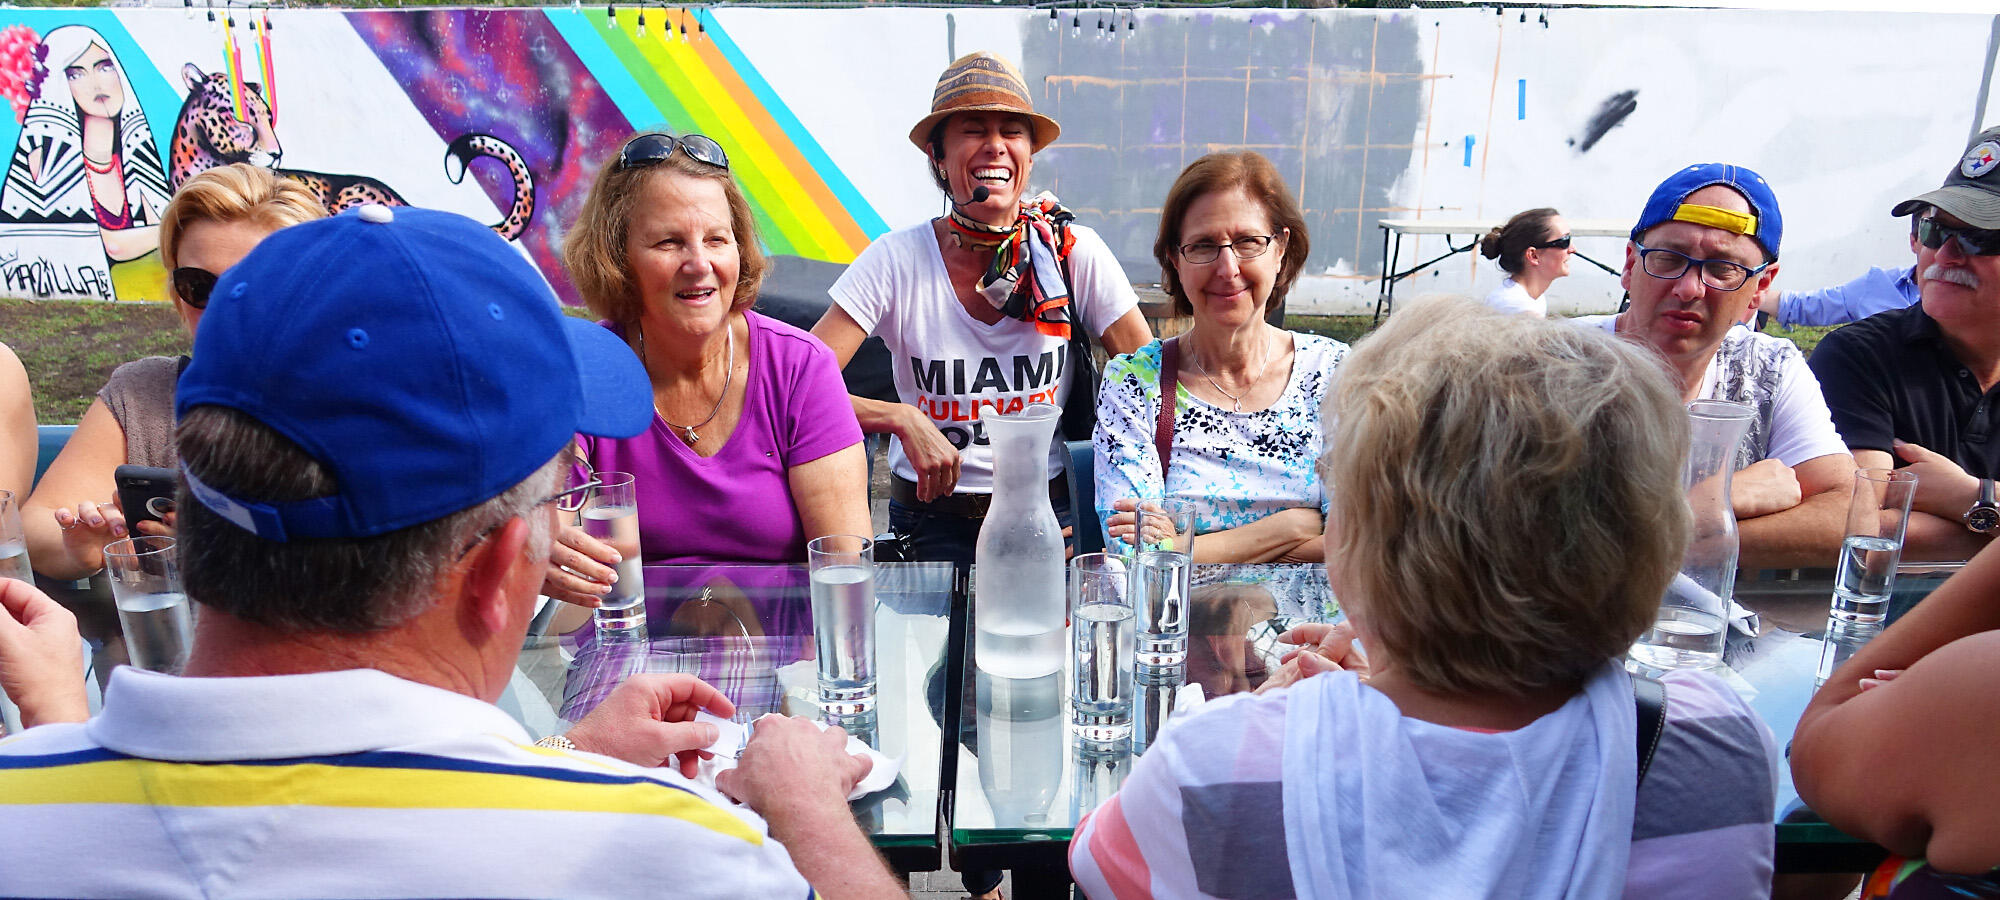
x: 882, y: 770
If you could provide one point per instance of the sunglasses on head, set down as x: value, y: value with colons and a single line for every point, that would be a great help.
x: 193, y: 286
x: 1971, y: 241
x: 1561, y: 243
x: 652, y: 147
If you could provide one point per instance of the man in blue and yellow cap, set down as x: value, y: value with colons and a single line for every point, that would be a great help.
x: 1702, y: 256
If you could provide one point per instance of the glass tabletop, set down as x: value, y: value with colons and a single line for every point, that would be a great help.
x: 1024, y: 779
x: 748, y: 630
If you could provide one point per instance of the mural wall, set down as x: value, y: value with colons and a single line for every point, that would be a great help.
x: 504, y: 115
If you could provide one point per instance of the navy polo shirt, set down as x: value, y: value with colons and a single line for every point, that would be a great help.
x: 1891, y: 376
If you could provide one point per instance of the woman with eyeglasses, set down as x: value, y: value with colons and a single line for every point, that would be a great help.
x: 1533, y: 249
x: 212, y: 222
x: 753, y: 449
x: 1245, y: 423
x: 977, y: 306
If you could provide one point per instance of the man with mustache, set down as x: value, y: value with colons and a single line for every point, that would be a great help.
x: 1914, y: 387
x: 1703, y: 254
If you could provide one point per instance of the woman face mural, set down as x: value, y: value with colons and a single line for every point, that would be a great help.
x: 94, y: 83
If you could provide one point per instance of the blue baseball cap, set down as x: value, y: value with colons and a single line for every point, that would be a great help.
x: 412, y: 352
x: 1668, y: 204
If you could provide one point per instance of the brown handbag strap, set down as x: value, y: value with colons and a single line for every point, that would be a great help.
x: 1170, y: 379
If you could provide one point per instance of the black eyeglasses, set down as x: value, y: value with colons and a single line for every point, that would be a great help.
x: 569, y: 501
x: 194, y: 285
x: 1246, y: 247
x: 1971, y: 241
x: 653, y: 147
x: 1561, y: 243
x: 1720, y: 274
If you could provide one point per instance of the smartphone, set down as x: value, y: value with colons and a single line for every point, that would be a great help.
x: 146, y: 493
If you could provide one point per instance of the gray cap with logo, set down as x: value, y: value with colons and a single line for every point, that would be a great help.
x: 1972, y: 191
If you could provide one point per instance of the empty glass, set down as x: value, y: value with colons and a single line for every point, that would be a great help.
x: 1160, y: 599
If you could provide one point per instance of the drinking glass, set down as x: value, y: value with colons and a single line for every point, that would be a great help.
x: 1102, y: 629
x: 152, y: 607
x: 1160, y: 598
x: 1878, y: 514
x: 13, y: 541
x: 610, y: 513
x: 1165, y: 525
x: 842, y: 571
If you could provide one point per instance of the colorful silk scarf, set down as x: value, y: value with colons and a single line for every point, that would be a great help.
x: 1026, y: 279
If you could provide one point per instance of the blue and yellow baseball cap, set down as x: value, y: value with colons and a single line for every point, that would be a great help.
x: 1669, y: 204
x: 415, y: 354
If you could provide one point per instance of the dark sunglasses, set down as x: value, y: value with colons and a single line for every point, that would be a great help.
x: 650, y: 148
x: 1971, y: 241
x: 193, y: 285
x: 1561, y: 243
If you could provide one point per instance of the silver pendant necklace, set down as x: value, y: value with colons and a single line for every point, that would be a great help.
x: 1235, y: 400
x: 688, y: 432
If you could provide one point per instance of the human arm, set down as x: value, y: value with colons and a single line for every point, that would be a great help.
x: 1809, y: 533
x: 797, y: 777
x: 41, y: 656
x: 1126, y: 334
x: 933, y: 457
x: 1856, y: 756
x: 1937, y: 531
x: 17, y: 418
x: 821, y: 441
x: 1875, y: 290
x: 648, y: 720
x: 831, y: 493
x: 70, y: 516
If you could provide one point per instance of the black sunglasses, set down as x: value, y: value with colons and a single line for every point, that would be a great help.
x: 193, y: 285
x: 1971, y: 241
x: 1561, y: 243
x: 653, y: 147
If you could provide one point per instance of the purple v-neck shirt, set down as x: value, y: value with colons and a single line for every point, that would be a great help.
x: 736, y: 506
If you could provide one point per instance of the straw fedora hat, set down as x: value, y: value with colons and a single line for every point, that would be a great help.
x: 982, y: 81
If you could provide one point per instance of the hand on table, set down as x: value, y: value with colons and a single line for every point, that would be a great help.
x: 790, y: 761
x: 580, y: 568
x: 1764, y: 487
x: 934, y: 458
x: 1329, y: 648
x: 41, y: 656
x: 649, y: 719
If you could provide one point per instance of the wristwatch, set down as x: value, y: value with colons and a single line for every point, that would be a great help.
x: 1984, y: 516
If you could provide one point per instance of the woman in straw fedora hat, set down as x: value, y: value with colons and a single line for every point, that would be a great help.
x: 976, y: 305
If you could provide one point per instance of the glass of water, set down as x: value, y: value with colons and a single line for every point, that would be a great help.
x: 1877, y: 515
x: 13, y: 541
x: 842, y: 571
x: 152, y: 608
x: 1102, y: 630
x: 610, y: 513
x: 1160, y: 598
x: 1166, y: 525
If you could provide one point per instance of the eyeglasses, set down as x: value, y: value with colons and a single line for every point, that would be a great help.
x: 1720, y: 274
x: 653, y: 147
x: 1561, y: 243
x: 1971, y: 241
x: 1246, y: 247
x: 569, y: 501
x: 194, y: 285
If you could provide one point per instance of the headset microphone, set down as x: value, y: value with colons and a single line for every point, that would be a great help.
x: 980, y: 193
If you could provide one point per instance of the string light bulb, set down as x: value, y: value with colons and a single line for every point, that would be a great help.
x: 1075, y: 24
x: 610, y: 15
x: 1054, y: 20
x: 642, y: 21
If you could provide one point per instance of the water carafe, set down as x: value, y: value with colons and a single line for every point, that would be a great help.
x: 1693, y: 621
x: 1019, y: 590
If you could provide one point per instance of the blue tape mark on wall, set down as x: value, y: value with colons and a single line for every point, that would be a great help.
x: 1469, y: 141
x: 1521, y: 103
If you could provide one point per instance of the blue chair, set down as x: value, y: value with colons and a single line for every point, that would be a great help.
x: 49, y: 442
x: 1083, y: 497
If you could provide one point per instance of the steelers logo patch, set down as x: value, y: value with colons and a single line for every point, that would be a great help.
x: 1984, y: 157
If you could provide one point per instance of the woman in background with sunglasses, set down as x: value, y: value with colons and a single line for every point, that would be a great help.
x: 754, y: 449
x: 212, y: 222
x: 1533, y: 249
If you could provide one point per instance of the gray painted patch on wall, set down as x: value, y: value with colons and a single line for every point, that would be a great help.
x: 1334, y: 99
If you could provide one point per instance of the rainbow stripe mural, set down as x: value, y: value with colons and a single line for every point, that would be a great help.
x: 804, y: 205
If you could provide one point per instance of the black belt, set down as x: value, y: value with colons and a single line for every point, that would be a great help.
x: 964, y: 506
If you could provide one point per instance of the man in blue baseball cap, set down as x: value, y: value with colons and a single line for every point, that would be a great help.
x: 1703, y: 256
x: 373, y: 438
